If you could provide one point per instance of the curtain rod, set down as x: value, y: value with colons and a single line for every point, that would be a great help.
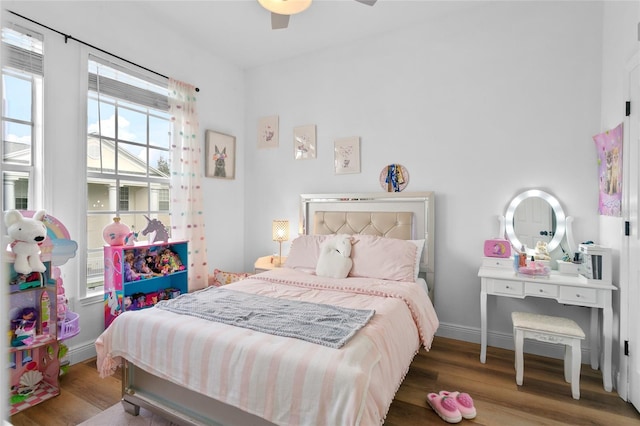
x: 68, y: 37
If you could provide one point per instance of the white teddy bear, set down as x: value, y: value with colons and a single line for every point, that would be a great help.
x: 542, y: 252
x: 27, y: 234
x: 335, y: 257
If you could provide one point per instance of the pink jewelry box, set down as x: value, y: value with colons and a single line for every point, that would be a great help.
x: 497, y: 247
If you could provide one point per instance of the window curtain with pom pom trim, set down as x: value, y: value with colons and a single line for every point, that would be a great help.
x: 187, y: 218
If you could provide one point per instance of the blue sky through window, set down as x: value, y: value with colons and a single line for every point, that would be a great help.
x: 132, y: 127
x: 16, y: 104
x: 22, y: 52
x: 128, y: 119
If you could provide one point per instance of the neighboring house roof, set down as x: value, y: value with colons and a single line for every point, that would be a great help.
x: 126, y: 160
x: 17, y: 152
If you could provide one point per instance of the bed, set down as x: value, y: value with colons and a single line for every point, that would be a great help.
x: 343, y: 367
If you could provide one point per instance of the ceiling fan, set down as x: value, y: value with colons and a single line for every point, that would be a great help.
x: 282, y: 9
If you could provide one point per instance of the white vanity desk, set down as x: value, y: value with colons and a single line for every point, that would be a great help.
x: 566, y: 289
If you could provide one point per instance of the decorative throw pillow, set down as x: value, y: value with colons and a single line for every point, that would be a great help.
x: 220, y: 278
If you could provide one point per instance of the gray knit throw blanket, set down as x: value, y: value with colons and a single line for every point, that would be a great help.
x: 323, y: 324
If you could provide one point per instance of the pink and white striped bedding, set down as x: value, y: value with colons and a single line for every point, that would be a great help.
x: 284, y: 380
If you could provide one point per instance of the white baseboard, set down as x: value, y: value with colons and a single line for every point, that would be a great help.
x: 505, y: 341
x: 81, y: 352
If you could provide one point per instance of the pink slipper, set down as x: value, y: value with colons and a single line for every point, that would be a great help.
x: 464, y: 403
x: 445, y: 406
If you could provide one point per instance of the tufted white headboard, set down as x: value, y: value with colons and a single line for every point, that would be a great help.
x: 404, y: 215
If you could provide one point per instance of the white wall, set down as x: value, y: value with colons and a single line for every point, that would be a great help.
x: 138, y: 38
x: 478, y: 107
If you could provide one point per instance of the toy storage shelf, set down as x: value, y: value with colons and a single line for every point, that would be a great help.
x: 121, y: 295
x: 37, y: 351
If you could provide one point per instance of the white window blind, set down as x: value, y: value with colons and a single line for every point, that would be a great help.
x: 114, y: 80
x: 22, y: 50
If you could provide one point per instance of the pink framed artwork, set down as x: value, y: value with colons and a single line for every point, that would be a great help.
x: 609, y: 151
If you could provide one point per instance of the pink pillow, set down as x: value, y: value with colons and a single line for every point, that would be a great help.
x: 304, y: 252
x: 383, y: 258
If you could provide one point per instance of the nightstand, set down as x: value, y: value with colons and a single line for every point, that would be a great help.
x: 266, y: 263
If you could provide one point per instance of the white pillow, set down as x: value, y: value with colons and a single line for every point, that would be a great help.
x: 419, y: 248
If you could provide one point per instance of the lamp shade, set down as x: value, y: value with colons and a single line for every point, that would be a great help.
x: 280, y: 230
x: 285, y: 7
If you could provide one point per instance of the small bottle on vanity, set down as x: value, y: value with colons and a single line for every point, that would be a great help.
x: 523, y: 257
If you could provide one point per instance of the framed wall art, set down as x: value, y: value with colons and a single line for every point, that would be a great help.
x: 220, y: 153
x: 304, y: 142
x: 268, y: 134
x: 609, y: 150
x: 346, y: 154
x: 394, y: 178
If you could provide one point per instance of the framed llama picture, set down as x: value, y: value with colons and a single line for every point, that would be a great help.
x: 220, y: 153
x: 347, y: 155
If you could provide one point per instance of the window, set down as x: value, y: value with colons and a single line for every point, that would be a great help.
x: 163, y: 199
x: 124, y: 199
x: 128, y: 140
x: 22, y: 106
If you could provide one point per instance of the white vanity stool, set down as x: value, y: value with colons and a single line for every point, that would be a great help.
x: 550, y: 329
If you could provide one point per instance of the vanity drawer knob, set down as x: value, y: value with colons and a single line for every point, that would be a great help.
x: 578, y: 295
x: 541, y: 291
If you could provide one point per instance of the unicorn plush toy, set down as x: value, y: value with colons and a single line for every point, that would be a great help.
x: 335, y: 257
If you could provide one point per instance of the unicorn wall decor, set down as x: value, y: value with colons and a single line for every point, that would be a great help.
x: 156, y: 231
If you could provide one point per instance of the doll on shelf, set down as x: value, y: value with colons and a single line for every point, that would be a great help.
x: 25, y: 327
x: 151, y: 258
x: 140, y: 265
x: 25, y: 281
x: 162, y: 265
x: 129, y: 272
x: 169, y: 262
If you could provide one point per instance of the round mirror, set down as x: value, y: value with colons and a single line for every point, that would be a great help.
x: 532, y: 216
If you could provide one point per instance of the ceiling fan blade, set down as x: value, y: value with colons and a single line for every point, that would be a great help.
x: 367, y: 2
x: 279, y: 21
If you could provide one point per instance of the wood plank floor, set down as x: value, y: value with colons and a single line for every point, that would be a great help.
x: 544, y: 398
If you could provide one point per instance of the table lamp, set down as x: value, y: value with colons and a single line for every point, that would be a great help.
x: 280, y: 234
